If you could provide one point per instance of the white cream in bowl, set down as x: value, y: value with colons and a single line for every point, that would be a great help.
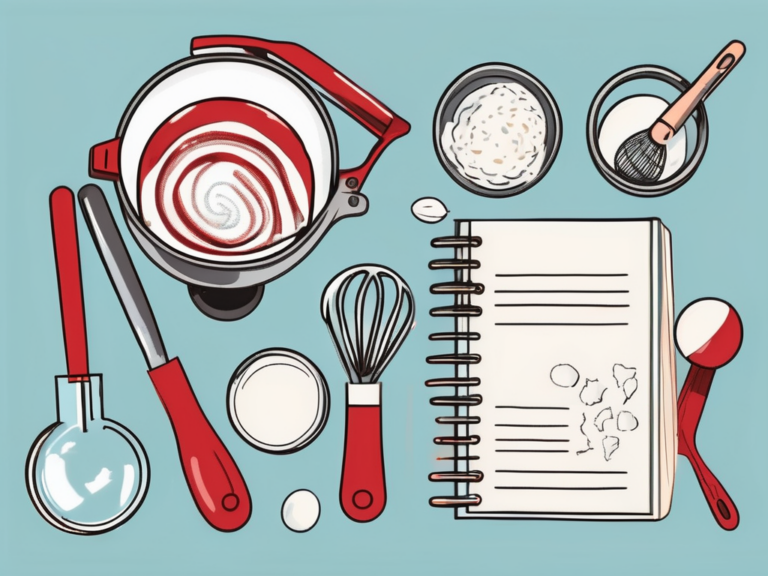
x: 497, y: 137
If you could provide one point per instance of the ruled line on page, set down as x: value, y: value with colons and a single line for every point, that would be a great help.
x: 562, y: 324
x: 595, y: 275
x: 561, y: 472
x: 534, y: 407
x: 559, y: 305
x: 532, y: 451
x: 533, y: 425
x: 561, y: 291
x: 531, y: 439
x: 560, y: 487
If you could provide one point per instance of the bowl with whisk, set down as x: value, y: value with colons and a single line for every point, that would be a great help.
x: 632, y: 100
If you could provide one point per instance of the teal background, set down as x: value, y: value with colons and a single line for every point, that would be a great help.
x: 67, y: 71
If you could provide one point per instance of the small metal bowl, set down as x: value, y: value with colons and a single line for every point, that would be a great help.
x: 646, y: 81
x: 475, y: 78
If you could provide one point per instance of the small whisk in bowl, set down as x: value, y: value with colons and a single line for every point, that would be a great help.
x: 369, y: 311
x: 641, y: 158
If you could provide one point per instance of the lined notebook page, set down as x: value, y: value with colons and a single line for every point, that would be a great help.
x: 566, y: 339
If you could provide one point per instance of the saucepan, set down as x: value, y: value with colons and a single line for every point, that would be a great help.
x: 226, y: 165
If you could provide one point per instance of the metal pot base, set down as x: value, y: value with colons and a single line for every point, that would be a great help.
x: 226, y: 304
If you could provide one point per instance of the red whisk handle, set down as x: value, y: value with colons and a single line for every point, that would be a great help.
x: 363, y: 492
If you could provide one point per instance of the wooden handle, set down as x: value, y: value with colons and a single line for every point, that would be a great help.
x: 679, y: 111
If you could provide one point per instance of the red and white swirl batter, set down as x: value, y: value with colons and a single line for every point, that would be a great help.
x: 225, y: 178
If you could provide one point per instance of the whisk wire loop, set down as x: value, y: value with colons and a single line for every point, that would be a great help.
x: 641, y: 159
x: 367, y: 345
x: 393, y: 342
x: 332, y: 300
x: 352, y: 344
x: 368, y: 342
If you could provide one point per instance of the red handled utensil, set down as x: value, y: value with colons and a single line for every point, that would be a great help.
x: 369, y: 311
x: 64, y: 227
x: 213, y: 478
x: 708, y: 333
x: 86, y: 474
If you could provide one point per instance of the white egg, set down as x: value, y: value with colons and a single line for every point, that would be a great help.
x: 429, y: 210
x: 301, y: 511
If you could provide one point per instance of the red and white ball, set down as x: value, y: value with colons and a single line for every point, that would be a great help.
x: 708, y: 332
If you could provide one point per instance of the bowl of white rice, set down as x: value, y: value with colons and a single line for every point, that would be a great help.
x: 497, y: 130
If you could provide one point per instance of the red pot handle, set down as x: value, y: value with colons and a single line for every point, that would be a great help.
x: 363, y: 492
x: 367, y: 110
x: 217, y: 486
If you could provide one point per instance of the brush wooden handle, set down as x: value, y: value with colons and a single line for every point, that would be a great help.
x: 679, y: 111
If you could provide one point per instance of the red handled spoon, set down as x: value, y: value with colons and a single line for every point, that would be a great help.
x: 708, y: 333
x: 215, y: 481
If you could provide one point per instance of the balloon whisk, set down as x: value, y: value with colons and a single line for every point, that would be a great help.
x: 369, y: 311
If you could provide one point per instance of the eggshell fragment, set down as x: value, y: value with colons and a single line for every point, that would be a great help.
x: 429, y: 210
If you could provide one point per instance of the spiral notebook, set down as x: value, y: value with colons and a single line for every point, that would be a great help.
x: 564, y: 392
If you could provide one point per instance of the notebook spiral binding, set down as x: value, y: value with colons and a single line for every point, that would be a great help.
x: 462, y: 288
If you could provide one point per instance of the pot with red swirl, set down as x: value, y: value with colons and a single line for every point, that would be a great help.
x: 226, y: 165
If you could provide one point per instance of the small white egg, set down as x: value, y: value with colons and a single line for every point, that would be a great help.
x: 301, y: 511
x: 429, y: 210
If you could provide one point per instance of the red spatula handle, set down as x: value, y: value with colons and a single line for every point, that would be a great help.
x: 363, y: 491
x: 64, y: 225
x: 213, y: 477
x: 366, y: 109
x: 363, y: 107
x: 690, y: 407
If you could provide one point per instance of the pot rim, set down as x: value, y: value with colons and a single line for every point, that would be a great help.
x: 137, y: 226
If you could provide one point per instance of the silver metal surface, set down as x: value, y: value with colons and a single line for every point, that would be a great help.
x: 122, y: 273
